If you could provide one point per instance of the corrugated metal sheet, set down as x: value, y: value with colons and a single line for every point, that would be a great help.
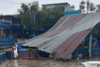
x: 20, y: 41
x: 64, y: 37
x: 67, y: 47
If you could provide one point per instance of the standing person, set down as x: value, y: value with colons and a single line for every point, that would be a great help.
x: 15, y: 49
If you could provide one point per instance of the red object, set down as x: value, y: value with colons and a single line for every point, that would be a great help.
x: 13, y: 48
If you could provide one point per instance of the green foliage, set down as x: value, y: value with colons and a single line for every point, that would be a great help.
x: 72, y: 7
x: 82, y: 2
x: 82, y: 6
x: 98, y: 7
x: 88, y: 5
x: 92, y: 7
x: 44, y: 17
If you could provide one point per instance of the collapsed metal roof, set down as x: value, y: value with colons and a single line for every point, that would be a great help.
x: 64, y: 37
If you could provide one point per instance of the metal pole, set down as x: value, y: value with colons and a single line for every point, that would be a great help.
x: 90, y: 43
x: 34, y: 27
x: 10, y: 27
x: 34, y: 23
x: 88, y: 5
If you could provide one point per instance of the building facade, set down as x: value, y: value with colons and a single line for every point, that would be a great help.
x: 50, y: 6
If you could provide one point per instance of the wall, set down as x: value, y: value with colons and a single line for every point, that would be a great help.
x: 73, y: 12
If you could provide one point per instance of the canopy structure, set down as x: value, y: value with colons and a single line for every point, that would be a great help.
x: 64, y: 37
x: 9, y: 21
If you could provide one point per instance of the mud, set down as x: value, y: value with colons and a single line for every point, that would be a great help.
x: 45, y: 63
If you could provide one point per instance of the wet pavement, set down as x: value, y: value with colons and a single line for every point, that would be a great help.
x: 39, y: 63
x: 45, y: 63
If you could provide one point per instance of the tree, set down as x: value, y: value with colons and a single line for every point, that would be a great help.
x: 92, y: 7
x: 23, y: 13
x: 26, y: 13
x: 88, y: 5
x: 82, y: 6
x: 72, y: 7
x: 82, y: 2
x: 98, y: 7
x: 44, y: 18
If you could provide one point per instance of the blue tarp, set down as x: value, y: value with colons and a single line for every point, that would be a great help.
x: 98, y: 44
x: 87, y: 40
x: 20, y: 47
x: 32, y: 36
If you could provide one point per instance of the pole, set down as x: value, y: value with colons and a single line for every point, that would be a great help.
x: 34, y: 23
x: 10, y: 24
x: 10, y: 27
x: 90, y: 43
x: 88, y: 5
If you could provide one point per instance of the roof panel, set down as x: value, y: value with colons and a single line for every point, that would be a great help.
x: 68, y: 32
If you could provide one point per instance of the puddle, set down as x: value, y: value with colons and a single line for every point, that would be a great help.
x: 45, y: 63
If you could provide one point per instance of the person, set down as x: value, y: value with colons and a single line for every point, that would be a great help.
x: 15, y: 49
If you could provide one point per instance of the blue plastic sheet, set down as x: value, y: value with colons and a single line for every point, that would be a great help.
x: 87, y: 40
x: 19, y: 46
x: 98, y: 44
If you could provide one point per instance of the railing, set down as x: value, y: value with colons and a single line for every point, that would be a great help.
x: 6, y: 42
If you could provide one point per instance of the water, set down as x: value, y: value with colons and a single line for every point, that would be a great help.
x: 40, y: 63
x: 45, y: 63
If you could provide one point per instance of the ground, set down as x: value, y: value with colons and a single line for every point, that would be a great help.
x: 40, y: 63
x: 46, y: 63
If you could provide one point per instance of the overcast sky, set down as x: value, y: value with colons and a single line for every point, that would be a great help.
x: 11, y: 6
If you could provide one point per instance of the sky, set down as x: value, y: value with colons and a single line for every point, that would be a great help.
x: 11, y: 6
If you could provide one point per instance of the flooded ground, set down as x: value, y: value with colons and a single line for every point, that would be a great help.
x: 45, y: 63
x: 39, y: 63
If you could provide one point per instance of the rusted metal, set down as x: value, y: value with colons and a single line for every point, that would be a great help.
x: 29, y: 55
x: 70, y: 42
x: 36, y: 58
x: 53, y: 28
x: 20, y: 41
x: 64, y: 37
x: 24, y: 54
x: 34, y: 53
x: 77, y: 40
